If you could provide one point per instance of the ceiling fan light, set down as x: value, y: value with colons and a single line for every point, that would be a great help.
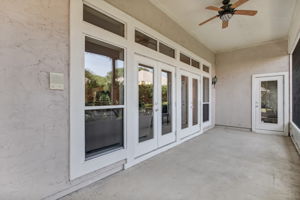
x: 226, y: 17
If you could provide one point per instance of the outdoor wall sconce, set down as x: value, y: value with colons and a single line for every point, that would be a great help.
x: 214, y: 80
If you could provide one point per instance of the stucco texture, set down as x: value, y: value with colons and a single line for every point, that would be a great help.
x: 33, y: 119
x: 234, y: 72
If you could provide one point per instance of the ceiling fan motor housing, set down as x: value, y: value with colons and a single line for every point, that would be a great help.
x: 227, y: 11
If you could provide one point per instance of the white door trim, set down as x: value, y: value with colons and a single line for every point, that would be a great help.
x: 285, y: 103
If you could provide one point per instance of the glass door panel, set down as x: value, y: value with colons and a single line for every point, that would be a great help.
x: 269, y: 102
x: 184, y: 102
x: 166, y: 102
x: 146, y: 90
x: 195, y: 102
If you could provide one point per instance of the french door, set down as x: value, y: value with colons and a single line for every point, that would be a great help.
x: 268, y: 107
x: 189, y: 94
x: 156, y: 105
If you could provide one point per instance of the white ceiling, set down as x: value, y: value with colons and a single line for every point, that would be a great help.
x: 271, y: 23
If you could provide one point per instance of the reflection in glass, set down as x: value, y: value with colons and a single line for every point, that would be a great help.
x: 145, y: 40
x: 206, y: 68
x: 269, y: 102
x: 146, y: 81
x: 195, y: 101
x: 184, y: 102
x: 205, y: 112
x: 185, y: 59
x: 195, y: 64
x: 103, y: 21
x: 164, y: 49
x: 166, y: 97
x: 103, y: 131
x: 205, y: 89
x: 104, y: 74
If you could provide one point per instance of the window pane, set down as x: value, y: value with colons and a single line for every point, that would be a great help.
x: 101, y: 20
x: 103, y: 131
x: 205, y: 112
x: 195, y: 101
x: 184, y: 102
x: 205, y: 68
x: 269, y: 102
x: 185, y: 59
x: 205, y: 89
x: 145, y: 40
x: 164, y: 49
x: 195, y: 64
x: 146, y: 81
x: 166, y: 96
x: 104, y: 74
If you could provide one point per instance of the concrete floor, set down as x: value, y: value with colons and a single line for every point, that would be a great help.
x: 222, y: 164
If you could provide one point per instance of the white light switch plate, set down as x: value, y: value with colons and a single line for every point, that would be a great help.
x: 56, y: 81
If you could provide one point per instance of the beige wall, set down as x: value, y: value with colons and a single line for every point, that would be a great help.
x: 34, y: 121
x: 294, y: 27
x: 234, y: 71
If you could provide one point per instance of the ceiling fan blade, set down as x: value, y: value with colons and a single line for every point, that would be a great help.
x: 225, y: 24
x: 238, y: 3
x: 208, y: 20
x: 246, y: 12
x: 213, y: 8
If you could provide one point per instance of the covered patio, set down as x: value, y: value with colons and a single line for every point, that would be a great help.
x: 222, y: 164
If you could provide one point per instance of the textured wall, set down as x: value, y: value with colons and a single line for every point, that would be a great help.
x: 146, y: 12
x: 235, y: 70
x: 295, y: 26
x: 33, y: 119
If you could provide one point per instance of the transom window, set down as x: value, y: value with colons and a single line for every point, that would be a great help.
x: 101, y: 20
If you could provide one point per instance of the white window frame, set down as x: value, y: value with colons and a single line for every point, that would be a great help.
x: 78, y: 30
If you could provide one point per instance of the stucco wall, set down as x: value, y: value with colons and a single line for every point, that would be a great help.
x: 294, y: 30
x: 234, y: 72
x: 34, y: 121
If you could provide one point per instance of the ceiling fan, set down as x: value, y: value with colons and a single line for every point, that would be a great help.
x: 228, y: 10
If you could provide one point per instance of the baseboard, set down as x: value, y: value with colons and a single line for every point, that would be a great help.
x: 84, y: 183
x: 295, y: 135
x: 234, y: 127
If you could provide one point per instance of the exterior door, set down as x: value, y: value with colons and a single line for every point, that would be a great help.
x: 268, y: 103
x: 156, y: 105
x: 189, y: 104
